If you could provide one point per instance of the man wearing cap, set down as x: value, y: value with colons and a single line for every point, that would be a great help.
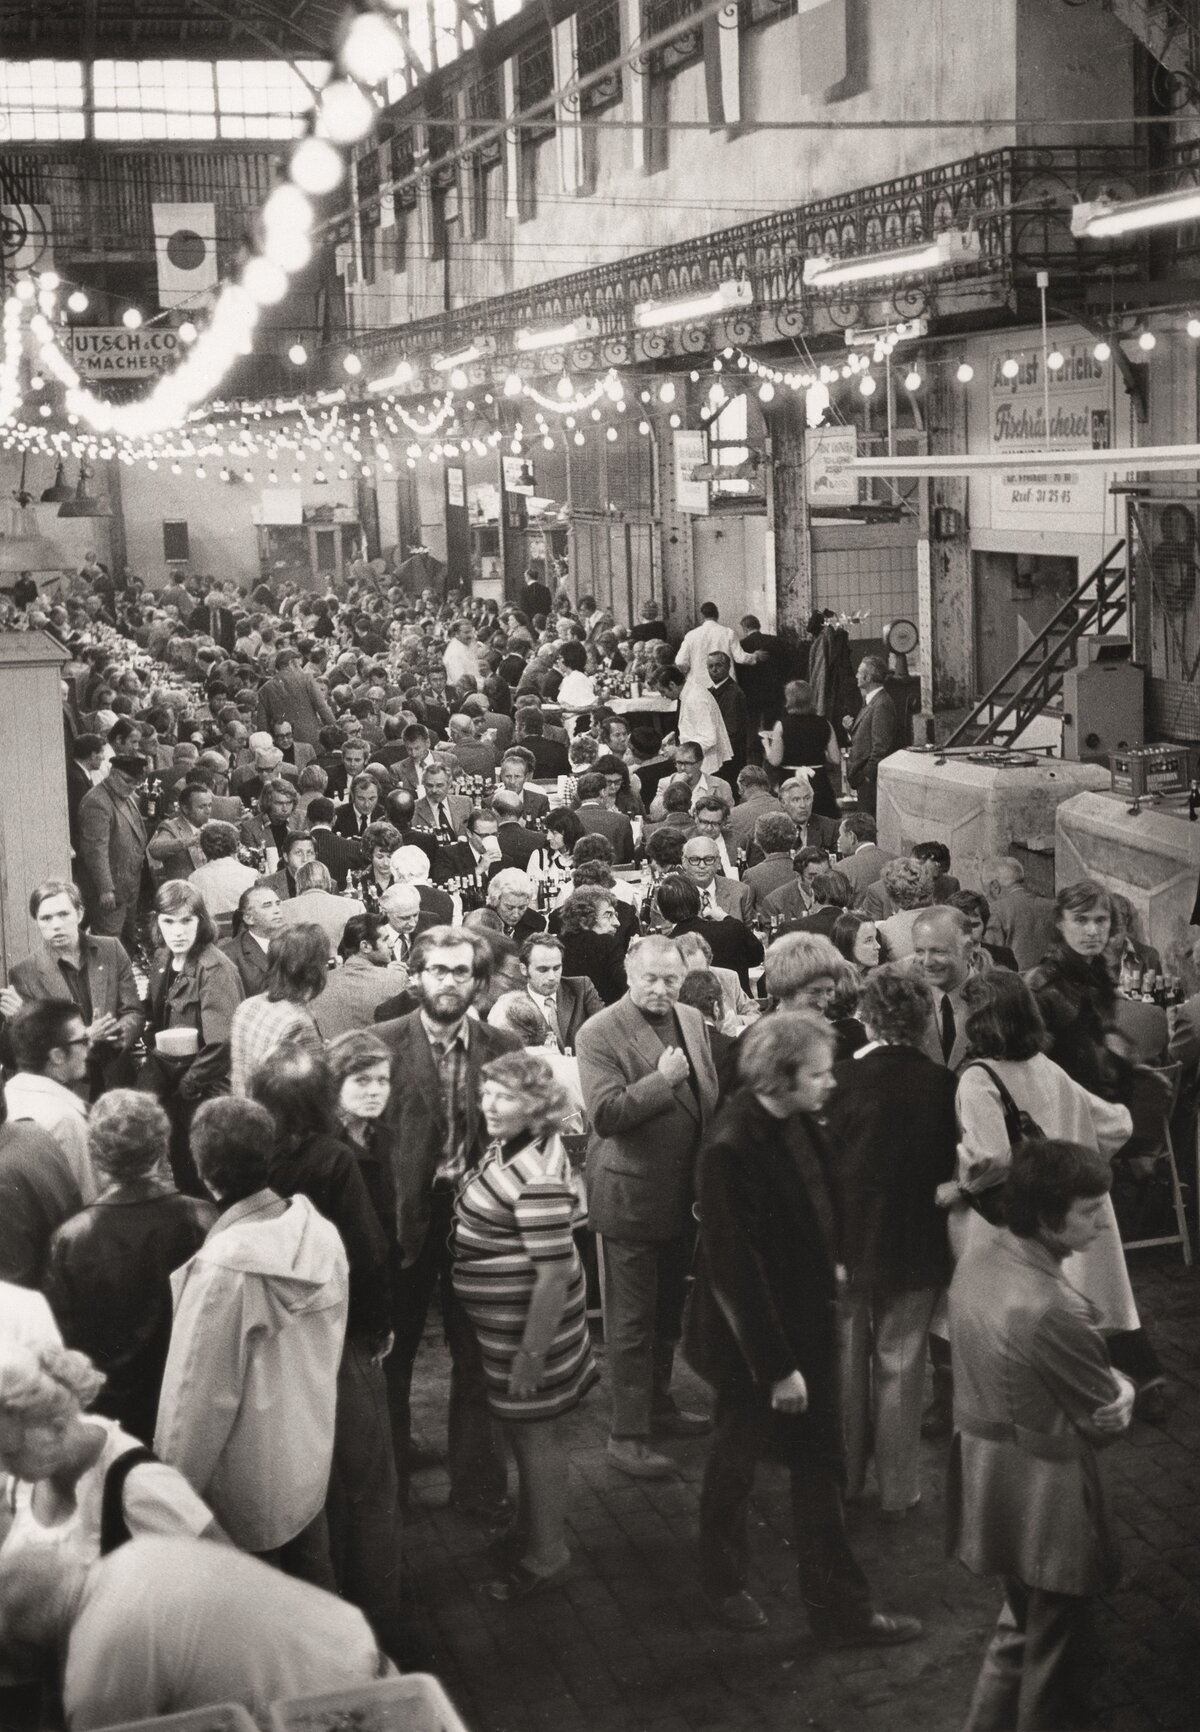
x: 112, y: 850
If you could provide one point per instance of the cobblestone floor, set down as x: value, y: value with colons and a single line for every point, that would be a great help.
x: 625, y: 1643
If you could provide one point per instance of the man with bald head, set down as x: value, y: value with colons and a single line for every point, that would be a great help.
x: 518, y: 843
x: 650, y: 1089
x: 942, y: 945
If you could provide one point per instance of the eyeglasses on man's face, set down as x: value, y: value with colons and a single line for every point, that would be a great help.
x: 459, y: 975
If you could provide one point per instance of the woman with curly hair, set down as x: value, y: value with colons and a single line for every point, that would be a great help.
x: 379, y: 842
x: 78, y: 1481
x: 590, y: 928
x: 519, y: 1278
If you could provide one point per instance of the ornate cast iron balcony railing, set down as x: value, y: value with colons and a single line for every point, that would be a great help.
x: 1018, y: 199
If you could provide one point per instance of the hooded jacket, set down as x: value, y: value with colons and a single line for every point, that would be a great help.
x: 250, y: 1386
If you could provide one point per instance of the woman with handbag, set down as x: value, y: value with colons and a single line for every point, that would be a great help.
x: 193, y: 993
x: 1008, y: 1090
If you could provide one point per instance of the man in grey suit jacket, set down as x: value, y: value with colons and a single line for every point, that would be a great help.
x: 437, y: 1134
x: 942, y: 947
x: 650, y: 1089
x: 260, y: 917
x: 860, y: 858
x: 112, y: 851
x: 71, y: 966
x: 874, y: 732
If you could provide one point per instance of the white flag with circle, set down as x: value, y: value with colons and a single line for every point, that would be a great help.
x: 28, y: 234
x: 185, y: 241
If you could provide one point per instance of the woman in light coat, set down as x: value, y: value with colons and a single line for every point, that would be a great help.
x: 1005, y: 1031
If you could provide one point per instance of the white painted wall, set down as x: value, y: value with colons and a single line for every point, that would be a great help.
x: 222, y: 535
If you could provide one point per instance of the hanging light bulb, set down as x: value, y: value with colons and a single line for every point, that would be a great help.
x: 965, y: 373
x: 345, y: 112
x: 666, y: 391
x: 675, y: 421
x: 866, y: 385
x: 297, y: 354
x: 912, y: 380
x: 316, y: 166
x: 512, y: 385
x: 564, y: 388
x: 78, y: 302
x: 131, y: 319
x: 766, y: 391
x: 579, y: 439
x: 1147, y: 341
x: 1011, y: 367
x: 1193, y: 328
x: 1102, y: 351
x: 265, y: 282
x: 1056, y: 360
x: 611, y: 435
x: 188, y: 332
x: 372, y: 49
x: 352, y: 365
x: 644, y: 428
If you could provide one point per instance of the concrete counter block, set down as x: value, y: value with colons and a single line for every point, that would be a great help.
x: 1153, y: 858
x: 977, y: 810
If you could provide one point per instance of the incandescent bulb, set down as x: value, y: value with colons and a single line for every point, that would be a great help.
x: 131, y: 319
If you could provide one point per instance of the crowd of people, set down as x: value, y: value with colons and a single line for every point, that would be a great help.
x: 414, y: 947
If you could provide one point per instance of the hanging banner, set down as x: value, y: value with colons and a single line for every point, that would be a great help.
x: 185, y: 241
x: 111, y: 352
x: 1080, y: 395
x: 828, y: 480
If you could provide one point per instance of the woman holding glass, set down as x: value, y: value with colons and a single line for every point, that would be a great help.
x: 518, y: 1276
x: 194, y: 990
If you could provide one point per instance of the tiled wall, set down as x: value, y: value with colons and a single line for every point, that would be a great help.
x: 868, y: 566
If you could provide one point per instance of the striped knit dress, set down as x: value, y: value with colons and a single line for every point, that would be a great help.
x: 513, y: 1214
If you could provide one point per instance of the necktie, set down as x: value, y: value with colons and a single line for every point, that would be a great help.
x: 550, y: 1012
x: 948, y: 1028
x: 443, y: 817
x: 212, y: 623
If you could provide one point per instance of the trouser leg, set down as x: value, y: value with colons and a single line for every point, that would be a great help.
x: 412, y: 1289
x: 674, y: 1261
x: 835, y: 1592
x: 901, y: 1330
x: 1057, y: 1665
x: 306, y: 1555
x: 854, y: 1355
x: 362, y: 1506
x: 475, y: 1447
x: 996, y: 1698
x: 729, y: 1472
x: 631, y: 1316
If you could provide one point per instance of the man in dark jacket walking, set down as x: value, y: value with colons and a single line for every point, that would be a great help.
x: 761, y: 1329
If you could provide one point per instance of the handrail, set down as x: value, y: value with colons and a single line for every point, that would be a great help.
x: 1046, y: 668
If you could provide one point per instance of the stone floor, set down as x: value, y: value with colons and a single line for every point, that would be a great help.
x: 625, y: 1643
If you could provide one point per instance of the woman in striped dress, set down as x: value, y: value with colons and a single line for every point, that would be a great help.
x: 518, y: 1276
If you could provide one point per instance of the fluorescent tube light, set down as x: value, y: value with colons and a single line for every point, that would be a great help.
x: 1103, y: 217
x: 952, y: 247
x: 558, y: 336
x: 651, y: 314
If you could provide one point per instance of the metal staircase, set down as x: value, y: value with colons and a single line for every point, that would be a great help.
x: 1032, y: 683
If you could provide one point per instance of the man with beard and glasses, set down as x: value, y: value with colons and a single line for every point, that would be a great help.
x: 437, y: 1137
